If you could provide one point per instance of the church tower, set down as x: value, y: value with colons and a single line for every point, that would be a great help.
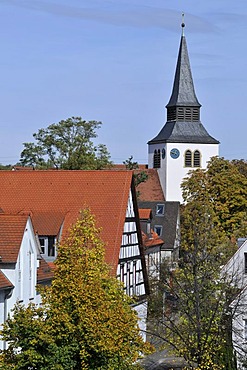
x: 183, y: 143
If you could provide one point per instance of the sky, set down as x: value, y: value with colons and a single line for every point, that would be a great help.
x: 114, y: 61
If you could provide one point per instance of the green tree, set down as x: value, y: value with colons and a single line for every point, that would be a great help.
x: 86, y: 321
x: 195, y: 295
x: 227, y: 190
x: 5, y: 167
x: 139, y: 175
x: 66, y: 145
x: 241, y: 165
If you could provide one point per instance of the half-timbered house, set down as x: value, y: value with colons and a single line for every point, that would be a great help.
x: 54, y: 199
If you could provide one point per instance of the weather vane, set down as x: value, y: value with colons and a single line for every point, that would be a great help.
x: 182, y: 24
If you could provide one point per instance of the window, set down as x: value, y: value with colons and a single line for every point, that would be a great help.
x: 42, y: 245
x: 47, y: 244
x: 31, y: 271
x: 158, y: 229
x: 128, y: 279
x: 160, y: 209
x: 171, y: 114
x: 188, y: 158
x: 188, y: 114
x: 245, y: 263
x: 195, y: 114
x: 134, y: 277
x: 122, y: 272
x: 192, y: 160
x: 245, y: 330
x: 197, y: 159
x: 51, y: 246
x: 156, y: 161
x: 20, y: 278
x: 180, y: 114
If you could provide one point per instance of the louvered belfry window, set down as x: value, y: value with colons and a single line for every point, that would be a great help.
x: 171, y: 114
x: 156, y: 159
x: 183, y: 114
x: 195, y: 115
x: 197, y: 159
x: 188, y: 158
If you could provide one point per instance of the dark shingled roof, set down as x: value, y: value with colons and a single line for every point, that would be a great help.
x: 169, y: 220
x: 184, y: 132
x: 183, y: 93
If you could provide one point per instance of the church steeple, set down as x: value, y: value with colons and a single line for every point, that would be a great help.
x: 183, y: 110
x: 183, y: 144
x: 183, y: 104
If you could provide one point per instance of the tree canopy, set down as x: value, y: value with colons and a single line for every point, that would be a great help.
x: 194, y: 315
x: 67, y: 145
x: 139, y: 175
x: 226, y: 188
x: 85, y: 322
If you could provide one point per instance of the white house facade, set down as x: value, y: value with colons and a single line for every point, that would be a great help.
x: 236, y: 272
x: 19, y: 264
x: 131, y: 265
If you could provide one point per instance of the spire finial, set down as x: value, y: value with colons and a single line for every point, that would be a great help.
x: 182, y: 24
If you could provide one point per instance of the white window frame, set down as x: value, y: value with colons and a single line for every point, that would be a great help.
x: 162, y: 212
x: 158, y: 227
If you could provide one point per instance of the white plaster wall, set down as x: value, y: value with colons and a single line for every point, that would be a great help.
x: 235, y: 268
x: 28, y: 295
x: 239, y: 309
x: 141, y: 310
x: 173, y: 171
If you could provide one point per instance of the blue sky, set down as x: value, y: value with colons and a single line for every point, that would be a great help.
x: 114, y: 61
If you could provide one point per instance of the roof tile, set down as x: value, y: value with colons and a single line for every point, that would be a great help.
x: 12, y: 228
x: 67, y: 193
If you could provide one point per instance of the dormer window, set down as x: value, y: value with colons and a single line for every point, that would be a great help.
x: 160, y: 209
x: 158, y: 229
x: 47, y: 244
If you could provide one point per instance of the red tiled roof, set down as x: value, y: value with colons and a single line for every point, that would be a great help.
x: 12, y: 228
x: 48, y: 223
x: 45, y: 271
x: 123, y: 167
x: 67, y: 192
x: 151, y: 240
x: 150, y: 190
x: 145, y: 213
x: 22, y: 168
x: 4, y: 281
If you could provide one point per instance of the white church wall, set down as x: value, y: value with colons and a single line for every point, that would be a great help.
x: 172, y: 170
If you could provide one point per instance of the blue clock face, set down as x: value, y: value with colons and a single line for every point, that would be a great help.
x: 174, y: 153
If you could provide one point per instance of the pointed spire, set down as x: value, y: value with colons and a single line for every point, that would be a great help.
x: 183, y: 93
x: 183, y: 110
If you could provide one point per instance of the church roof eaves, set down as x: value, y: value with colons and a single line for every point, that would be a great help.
x: 183, y: 132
